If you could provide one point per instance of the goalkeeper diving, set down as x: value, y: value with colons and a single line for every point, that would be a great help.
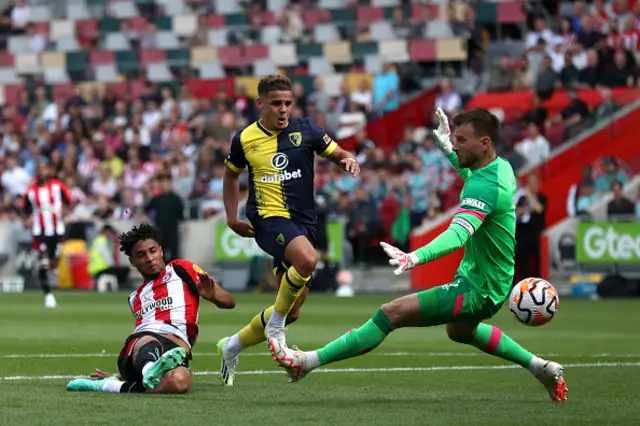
x: 485, y: 225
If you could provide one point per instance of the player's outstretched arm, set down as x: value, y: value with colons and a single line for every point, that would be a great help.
x: 447, y: 242
x: 208, y: 289
x: 326, y: 147
x: 442, y: 138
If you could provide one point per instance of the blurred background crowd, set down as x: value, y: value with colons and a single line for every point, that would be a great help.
x: 128, y: 99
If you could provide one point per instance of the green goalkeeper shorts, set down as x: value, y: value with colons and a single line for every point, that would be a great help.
x: 456, y: 301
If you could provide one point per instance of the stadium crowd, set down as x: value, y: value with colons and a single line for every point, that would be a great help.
x: 113, y: 152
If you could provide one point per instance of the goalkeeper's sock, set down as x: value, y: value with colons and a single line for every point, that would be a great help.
x: 355, y: 342
x: 291, y: 287
x: 252, y: 334
x: 493, y: 341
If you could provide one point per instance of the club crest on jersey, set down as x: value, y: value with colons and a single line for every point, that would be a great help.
x: 295, y: 138
x: 197, y: 269
x: 472, y: 202
x: 166, y: 278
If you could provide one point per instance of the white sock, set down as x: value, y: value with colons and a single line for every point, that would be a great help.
x: 234, y: 346
x: 535, y: 365
x: 112, y: 386
x: 277, y: 320
x: 313, y: 361
x: 146, y: 367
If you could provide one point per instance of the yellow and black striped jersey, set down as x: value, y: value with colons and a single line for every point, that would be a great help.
x: 280, y: 168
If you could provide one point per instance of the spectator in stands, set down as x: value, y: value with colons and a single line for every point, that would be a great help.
x: 363, y: 96
x: 620, y: 208
x: 576, y: 117
x: 608, y: 107
x: 502, y: 75
x: 620, y: 73
x: 547, y: 80
x: 591, y: 75
x: 530, y: 209
x: 541, y: 31
x: 507, y: 151
x: 15, y: 179
x: 588, y: 197
x: 20, y: 16
x: 167, y: 212
x: 363, y: 225
x: 386, y: 90
x: 612, y: 173
x: 535, y: 148
x: 578, y: 190
x: 569, y: 73
x: 474, y: 80
x: 589, y: 35
x: 448, y: 99
x: 401, y: 25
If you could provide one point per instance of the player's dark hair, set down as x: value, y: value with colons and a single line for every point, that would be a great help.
x: 138, y: 233
x: 273, y: 82
x: 483, y: 122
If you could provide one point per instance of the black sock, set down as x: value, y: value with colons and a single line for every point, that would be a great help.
x: 149, y: 352
x: 132, y: 387
x: 44, y: 281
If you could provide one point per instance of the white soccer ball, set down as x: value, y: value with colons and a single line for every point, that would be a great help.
x: 534, y: 302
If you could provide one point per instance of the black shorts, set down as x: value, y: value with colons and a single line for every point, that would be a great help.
x: 125, y: 360
x: 49, y: 245
x: 273, y: 234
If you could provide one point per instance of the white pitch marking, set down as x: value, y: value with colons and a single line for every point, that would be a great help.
x: 383, y: 354
x: 358, y: 370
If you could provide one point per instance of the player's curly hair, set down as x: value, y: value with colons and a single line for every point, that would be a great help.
x: 138, y: 233
x: 273, y: 82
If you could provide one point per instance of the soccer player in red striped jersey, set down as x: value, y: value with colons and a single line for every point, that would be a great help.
x: 46, y: 200
x: 155, y: 358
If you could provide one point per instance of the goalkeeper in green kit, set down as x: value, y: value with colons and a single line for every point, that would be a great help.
x: 485, y: 225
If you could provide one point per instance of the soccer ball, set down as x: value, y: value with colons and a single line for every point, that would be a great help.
x: 534, y: 302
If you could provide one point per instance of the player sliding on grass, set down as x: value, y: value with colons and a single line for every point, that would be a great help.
x: 485, y: 225
x: 155, y: 358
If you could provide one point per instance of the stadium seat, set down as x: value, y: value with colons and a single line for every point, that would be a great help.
x: 18, y: 44
x: 453, y: 49
x: 373, y: 63
x: 437, y: 29
x: 320, y: 66
x: 263, y: 67
x: 211, y: 70
x: 226, y: 7
x: 338, y: 53
x: 177, y: 58
x: 185, y: 25
x: 202, y: 54
x: 283, y: 54
x: 56, y: 75
x: 323, y: 33
x: 382, y: 30
x: 8, y: 75
x: 68, y: 44
x: 167, y: 40
x: 123, y: 9
x: 270, y: 35
x: 40, y: 13
x: 27, y: 63
x: 62, y: 29
x: 116, y: 41
x: 107, y: 73
x: 309, y: 50
x: 277, y: 5
x: 158, y: 72
x: 394, y: 50
x: 218, y: 37
x: 77, y: 11
x: 360, y: 49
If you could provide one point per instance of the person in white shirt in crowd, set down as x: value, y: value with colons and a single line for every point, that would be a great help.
x: 535, y: 148
x: 448, y: 99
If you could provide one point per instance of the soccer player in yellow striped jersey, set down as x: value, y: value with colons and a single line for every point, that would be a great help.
x: 278, y: 152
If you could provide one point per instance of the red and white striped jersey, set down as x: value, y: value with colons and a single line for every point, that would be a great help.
x: 45, y: 201
x: 169, y: 304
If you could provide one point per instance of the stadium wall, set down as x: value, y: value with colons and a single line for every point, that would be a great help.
x: 617, y: 137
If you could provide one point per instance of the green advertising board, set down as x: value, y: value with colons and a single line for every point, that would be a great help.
x: 230, y: 247
x: 608, y: 242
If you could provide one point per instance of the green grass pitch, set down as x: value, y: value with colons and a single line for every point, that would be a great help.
x: 416, y: 377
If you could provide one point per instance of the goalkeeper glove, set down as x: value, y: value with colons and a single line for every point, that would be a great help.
x: 441, y: 134
x: 403, y: 261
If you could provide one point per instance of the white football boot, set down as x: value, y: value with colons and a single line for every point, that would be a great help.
x: 550, y: 375
x: 228, y: 363
x: 294, y: 361
x: 50, y: 301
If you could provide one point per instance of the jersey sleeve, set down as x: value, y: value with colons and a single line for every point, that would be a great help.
x: 66, y: 194
x: 188, y: 273
x: 322, y: 143
x: 236, y: 160
x: 478, y: 201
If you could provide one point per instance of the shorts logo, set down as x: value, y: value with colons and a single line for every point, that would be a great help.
x: 280, y: 239
x: 280, y: 161
x: 295, y: 138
